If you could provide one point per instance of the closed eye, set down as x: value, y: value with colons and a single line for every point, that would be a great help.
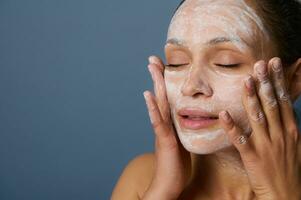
x: 220, y: 65
x: 228, y: 66
x: 170, y: 65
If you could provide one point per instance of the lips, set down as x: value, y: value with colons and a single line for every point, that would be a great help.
x: 195, y: 118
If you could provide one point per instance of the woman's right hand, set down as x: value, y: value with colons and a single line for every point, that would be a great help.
x: 173, y: 162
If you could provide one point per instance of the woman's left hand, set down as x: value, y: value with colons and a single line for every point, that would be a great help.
x: 270, y: 152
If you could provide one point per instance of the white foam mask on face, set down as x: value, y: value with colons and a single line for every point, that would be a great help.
x: 196, y: 22
x: 234, y: 17
x: 226, y: 96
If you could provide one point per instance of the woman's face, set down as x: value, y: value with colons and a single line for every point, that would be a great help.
x: 216, y: 44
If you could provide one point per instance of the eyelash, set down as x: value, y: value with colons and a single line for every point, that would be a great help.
x: 175, y: 65
x: 220, y: 65
x: 228, y: 66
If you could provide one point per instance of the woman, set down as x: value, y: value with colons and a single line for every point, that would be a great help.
x: 222, y: 110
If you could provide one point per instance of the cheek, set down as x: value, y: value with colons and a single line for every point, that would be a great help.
x: 230, y: 96
x: 173, y: 82
x: 227, y: 94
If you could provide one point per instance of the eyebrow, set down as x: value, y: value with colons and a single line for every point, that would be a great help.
x: 218, y: 40
x: 211, y: 42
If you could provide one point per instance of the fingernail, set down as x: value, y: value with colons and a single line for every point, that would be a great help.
x: 276, y: 65
x: 261, y: 70
x: 152, y: 60
x: 225, y: 116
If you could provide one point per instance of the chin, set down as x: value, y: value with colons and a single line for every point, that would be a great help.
x: 206, y: 142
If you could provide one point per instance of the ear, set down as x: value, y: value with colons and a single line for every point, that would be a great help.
x: 294, y: 79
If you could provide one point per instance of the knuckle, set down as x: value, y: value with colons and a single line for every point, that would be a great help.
x: 258, y: 116
x: 282, y: 94
x: 233, y: 130
x: 293, y: 129
x: 162, y: 130
x: 272, y: 104
x: 168, y: 142
x: 264, y: 83
x: 268, y: 95
x: 171, y: 143
x: 255, y: 112
x: 240, y: 139
x: 296, y: 138
x: 294, y: 132
x: 157, y: 125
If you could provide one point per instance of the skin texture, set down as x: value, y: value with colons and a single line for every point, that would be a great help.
x: 221, y: 87
x: 251, y: 99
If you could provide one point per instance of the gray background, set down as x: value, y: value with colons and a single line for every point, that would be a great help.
x: 72, y: 74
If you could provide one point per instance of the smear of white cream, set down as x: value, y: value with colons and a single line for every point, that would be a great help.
x: 196, y: 22
x: 234, y: 17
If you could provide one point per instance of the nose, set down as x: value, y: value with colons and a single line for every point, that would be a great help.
x: 196, y: 83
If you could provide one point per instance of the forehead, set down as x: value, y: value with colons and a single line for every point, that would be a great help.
x: 198, y: 21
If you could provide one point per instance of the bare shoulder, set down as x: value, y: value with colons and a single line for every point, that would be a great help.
x: 135, y: 178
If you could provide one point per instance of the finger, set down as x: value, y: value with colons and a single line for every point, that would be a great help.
x: 162, y: 130
x: 241, y: 141
x: 168, y: 163
x: 156, y: 60
x: 255, y: 113
x: 171, y: 128
x: 166, y: 144
x: 268, y: 101
x: 160, y: 92
x: 285, y: 104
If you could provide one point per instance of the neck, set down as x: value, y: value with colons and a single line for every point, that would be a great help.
x: 221, y: 174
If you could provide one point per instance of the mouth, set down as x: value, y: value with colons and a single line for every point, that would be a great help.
x: 195, y: 118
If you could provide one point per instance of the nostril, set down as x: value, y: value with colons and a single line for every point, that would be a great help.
x: 196, y: 88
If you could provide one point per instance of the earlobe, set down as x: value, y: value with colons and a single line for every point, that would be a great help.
x: 294, y: 79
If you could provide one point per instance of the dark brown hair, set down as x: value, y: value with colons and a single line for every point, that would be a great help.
x: 282, y: 19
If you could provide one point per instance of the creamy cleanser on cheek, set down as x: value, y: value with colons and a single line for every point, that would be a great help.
x: 197, y: 21
x: 226, y: 96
